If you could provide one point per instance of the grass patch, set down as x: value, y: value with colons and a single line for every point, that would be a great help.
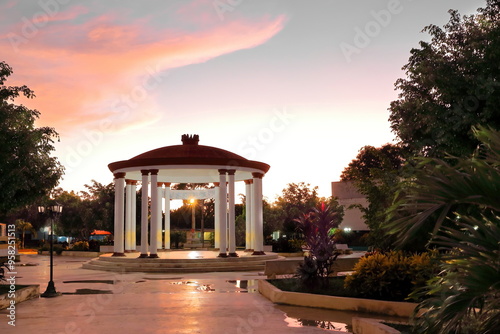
x: 5, y: 288
x: 334, y: 287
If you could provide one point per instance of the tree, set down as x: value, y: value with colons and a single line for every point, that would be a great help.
x: 296, y: 199
x: 24, y: 226
x: 71, y: 222
x: 27, y: 169
x: 376, y: 172
x: 98, y: 213
x: 463, y: 197
x: 453, y: 83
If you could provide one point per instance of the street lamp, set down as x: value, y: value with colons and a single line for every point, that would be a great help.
x: 53, y: 212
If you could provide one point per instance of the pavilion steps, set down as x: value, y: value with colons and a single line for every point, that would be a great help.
x: 119, y: 264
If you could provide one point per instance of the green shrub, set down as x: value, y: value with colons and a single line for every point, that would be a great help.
x: 392, y: 275
x: 80, y: 246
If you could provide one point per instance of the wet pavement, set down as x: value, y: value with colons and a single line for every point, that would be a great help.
x: 108, y: 302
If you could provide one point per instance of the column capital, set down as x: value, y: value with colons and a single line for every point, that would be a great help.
x: 222, y: 171
x: 154, y: 171
x: 216, y: 184
x: 144, y: 172
x: 130, y: 182
x: 119, y: 175
x: 159, y: 184
x: 231, y: 171
x: 248, y: 181
x: 258, y: 175
x: 167, y: 184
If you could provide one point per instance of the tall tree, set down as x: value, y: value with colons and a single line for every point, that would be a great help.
x: 376, y: 172
x: 452, y: 83
x: 296, y: 199
x: 27, y: 169
x: 24, y: 226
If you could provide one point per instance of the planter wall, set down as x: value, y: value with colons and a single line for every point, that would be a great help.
x: 397, y: 309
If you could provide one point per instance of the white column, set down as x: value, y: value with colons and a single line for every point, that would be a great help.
x: 160, y: 197
x: 257, y: 214
x: 154, y: 214
x: 231, y: 215
x: 128, y: 215
x: 216, y: 217
x: 222, y: 203
x: 144, y: 213
x: 133, y: 213
x: 119, y: 214
x: 248, y: 215
x: 167, y: 215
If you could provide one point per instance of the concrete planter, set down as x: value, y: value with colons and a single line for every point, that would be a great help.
x: 29, y: 292
x: 397, y: 309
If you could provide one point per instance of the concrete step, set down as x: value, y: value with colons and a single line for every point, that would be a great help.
x: 176, y: 264
x: 129, y: 268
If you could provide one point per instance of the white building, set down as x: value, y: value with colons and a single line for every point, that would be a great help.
x: 347, y: 195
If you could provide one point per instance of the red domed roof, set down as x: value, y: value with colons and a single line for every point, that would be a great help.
x: 189, y: 153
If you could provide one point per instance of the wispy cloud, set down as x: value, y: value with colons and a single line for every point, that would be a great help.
x: 79, y: 69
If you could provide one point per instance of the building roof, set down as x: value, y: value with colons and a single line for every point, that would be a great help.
x: 189, y: 162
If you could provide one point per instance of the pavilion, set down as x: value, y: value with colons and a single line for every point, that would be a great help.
x: 156, y: 170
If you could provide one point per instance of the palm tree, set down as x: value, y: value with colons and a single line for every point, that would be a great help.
x: 24, y: 226
x: 461, y: 202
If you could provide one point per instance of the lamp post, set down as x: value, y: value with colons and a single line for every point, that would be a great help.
x: 53, y: 212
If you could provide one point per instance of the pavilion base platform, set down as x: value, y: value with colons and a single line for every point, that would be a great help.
x: 181, y: 262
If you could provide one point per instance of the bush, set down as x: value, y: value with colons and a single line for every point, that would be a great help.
x: 392, y: 275
x: 285, y: 245
x: 80, y: 246
x: 177, y: 237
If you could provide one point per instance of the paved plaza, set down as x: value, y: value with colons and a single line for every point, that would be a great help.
x: 107, y: 302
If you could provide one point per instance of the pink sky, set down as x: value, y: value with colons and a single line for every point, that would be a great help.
x: 118, y: 81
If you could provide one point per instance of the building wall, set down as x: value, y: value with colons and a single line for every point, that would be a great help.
x: 348, y: 195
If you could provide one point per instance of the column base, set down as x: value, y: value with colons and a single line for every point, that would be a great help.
x: 222, y: 255
x: 153, y: 256
x: 258, y: 253
x: 118, y: 254
x: 233, y: 255
x: 143, y: 256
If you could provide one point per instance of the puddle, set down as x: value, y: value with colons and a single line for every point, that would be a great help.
x: 323, y: 324
x: 249, y: 286
x: 29, y: 264
x: 199, y: 287
x: 93, y: 281
x: 328, y: 320
x: 161, y: 278
x: 88, y: 292
x: 140, y: 281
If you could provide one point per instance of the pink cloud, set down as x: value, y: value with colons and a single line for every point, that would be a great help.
x: 78, y: 70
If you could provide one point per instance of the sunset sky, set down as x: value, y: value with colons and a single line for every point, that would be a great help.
x: 300, y: 85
